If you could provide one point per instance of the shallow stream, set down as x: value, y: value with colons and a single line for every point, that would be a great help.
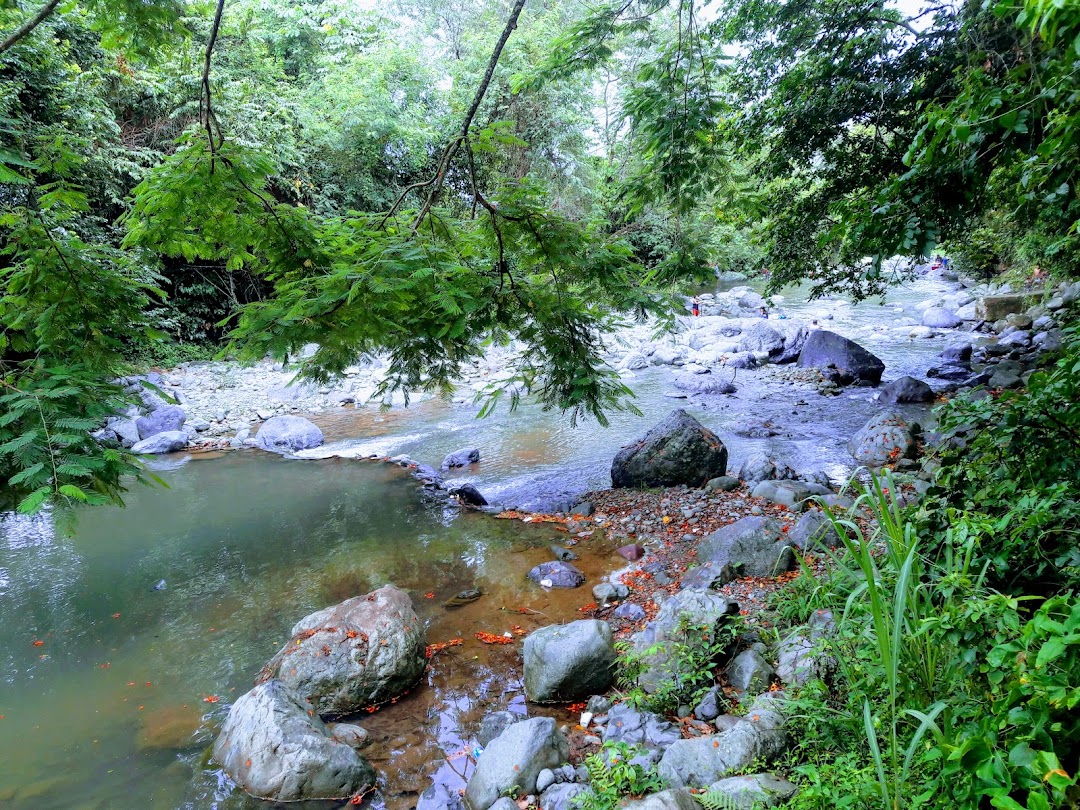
x: 110, y: 689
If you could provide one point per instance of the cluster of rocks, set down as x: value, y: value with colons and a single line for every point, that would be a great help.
x: 528, y: 758
x: 276, y: 742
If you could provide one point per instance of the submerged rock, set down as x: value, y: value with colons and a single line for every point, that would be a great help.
x: 853, y: 363
x: 363, y: 651
x: 274, y: 746
x: 679, y: 450
x: 463, y: 598
x: 570, y: 661
x: 556, y: 574
x: 461, y: 458
x: 287, y: 434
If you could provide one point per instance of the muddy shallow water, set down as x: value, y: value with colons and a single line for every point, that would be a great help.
x: 110, y: 690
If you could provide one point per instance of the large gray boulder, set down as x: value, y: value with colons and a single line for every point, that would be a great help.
x: 884, y: 438
x: 853, y: 363
x: 758, y: 737
x: 754, y: 546
x: 659, y: 643
x: 761, y: 337
x: 904, y: 389
x: 126, y: 429
x: 562, y: 796
x: 347, y: 657
x: 749, y: 671
x: 514, y: 759
x: 707, y: 383
x: 168, y: 442
x: 759, y: 790
x: 274, y: 746
x: 812, y: 530
x: 569, y: 661
x: 679, y: 450
x: 287, y: 434
x: 161, y: 420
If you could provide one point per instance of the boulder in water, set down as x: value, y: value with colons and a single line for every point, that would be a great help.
x: 469, y: 495
x: 679, y: 450
x: 569, y: 661
x: 274, y: 746
x: 287, y: 434
x: 940, y: 318
x: 168, y: 442
x: 349, y: 656
x: 853, y: 363
x: 514, y: 759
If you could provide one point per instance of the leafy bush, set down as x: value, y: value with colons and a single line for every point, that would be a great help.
x: 952, y: 694
x: 613, y: 775
x: 1010, y: 469
x: 694, y: 653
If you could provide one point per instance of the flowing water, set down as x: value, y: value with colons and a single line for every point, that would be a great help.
x: 111, y: 688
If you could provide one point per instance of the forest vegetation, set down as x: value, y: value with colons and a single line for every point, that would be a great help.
x: 423, y: 179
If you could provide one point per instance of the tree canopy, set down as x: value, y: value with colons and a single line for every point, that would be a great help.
x: 423, y: 180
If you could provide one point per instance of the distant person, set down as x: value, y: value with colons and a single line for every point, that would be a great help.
x: 937, y: 265
x: 764, y: 313
x: 695, y: 306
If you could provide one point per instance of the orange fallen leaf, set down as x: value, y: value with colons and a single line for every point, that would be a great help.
x: 248, y: 763
x: 491, y: 638
x: 211, y: 699
x: 429, y: 595
x: 116, y: 615
x: 39, y: 643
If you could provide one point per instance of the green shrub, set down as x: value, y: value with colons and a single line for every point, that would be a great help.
x: 614, y: 775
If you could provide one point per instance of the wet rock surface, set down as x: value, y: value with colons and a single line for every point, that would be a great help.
x: 515, y: 759
x: 679, y: 450
x: 347, y: 657
x: 570, y: 661
x: 274, y: 747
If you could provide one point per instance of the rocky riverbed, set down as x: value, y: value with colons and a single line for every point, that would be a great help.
x: 715, y: 541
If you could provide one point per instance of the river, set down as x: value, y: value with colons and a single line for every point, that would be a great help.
x: 111, y: 688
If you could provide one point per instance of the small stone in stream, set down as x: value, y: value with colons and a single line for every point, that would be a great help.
x: 564, y: 554
x: 723, y: 483
x: 755, y: 510
x: 463, y: 598
x: 469, y: 495
x: 630, y: 612
x: 632, y: 552
x: 585, y: 509
x: 558, y: 574
x: 544, y: 780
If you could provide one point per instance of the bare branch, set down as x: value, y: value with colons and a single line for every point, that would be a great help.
x: 481, y: 91
x: 206, y: 110
x: 29, y: 25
